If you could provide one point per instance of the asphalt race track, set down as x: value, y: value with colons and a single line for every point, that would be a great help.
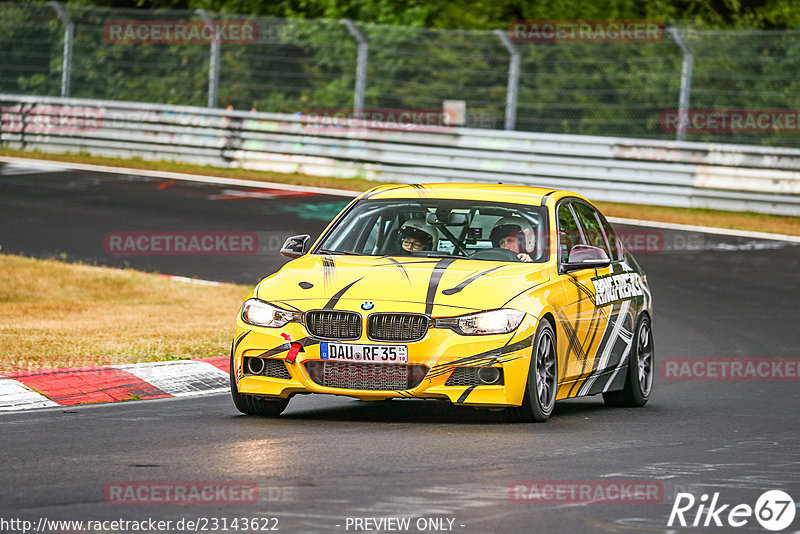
x: 329, y: 459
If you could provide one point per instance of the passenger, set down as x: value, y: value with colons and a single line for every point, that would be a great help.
x: 515, y: 234
x: 416, y: 236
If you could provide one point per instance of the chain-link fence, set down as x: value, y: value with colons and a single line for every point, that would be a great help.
x: 296, y: 65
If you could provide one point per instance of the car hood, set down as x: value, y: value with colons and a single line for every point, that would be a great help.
x: 435, y: 286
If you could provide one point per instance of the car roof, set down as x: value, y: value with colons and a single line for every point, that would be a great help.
x: 514, y: 194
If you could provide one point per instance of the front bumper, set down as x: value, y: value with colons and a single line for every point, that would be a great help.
x: 440, y: 352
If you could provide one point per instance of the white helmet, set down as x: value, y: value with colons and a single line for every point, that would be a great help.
x: 514, y: 226
x: 421, y: 231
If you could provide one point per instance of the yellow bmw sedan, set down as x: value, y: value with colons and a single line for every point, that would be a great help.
x: 483, y: 295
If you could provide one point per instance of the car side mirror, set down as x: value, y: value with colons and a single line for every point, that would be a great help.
x: 585, y: 257
x: 296, y: 246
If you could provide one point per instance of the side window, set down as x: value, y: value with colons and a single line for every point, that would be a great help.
x: 569, y: 234
x: 372, y: 238
x: 379, y: 230
x: 591, y: 226
x: 613, y: 240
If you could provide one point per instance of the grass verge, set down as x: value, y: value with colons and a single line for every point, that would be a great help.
x: 701, y: 217
x: 55, y: 314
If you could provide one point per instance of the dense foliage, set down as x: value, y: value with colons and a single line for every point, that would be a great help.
x: 746, y: 55
x: 482, y: 14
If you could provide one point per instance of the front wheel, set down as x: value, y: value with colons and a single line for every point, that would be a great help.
x: 252, y: 404
x: 540, y: 390
x: 641, y: 366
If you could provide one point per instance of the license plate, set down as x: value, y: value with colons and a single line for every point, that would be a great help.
x: 357, y: 353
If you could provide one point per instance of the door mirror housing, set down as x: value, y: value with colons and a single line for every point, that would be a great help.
x: 296, y: 246
x: 586, y: 257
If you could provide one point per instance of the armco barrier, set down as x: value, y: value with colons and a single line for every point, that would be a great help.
x: 717, y: 176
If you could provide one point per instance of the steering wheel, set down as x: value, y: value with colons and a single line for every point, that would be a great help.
x: 501, y: 254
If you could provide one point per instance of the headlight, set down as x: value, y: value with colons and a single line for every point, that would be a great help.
x: 259, y: 313
x: 490, y: 322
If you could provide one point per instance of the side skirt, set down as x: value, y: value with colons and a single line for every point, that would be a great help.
x: 600, y: 385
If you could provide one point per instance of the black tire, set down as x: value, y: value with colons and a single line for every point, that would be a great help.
x: 542, y: 384
x: 253, y: 404
x: 641, y: 368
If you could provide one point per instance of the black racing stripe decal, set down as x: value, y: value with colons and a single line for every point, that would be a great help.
x: 399, y: 266
x: 484, y: 358
x: 573, y: 343
x: 464, y: 395
x: 275, y: 350
x: 239, y: 340
x: 584, y: 376
x: 465, y: 283
x: 373, y: 193
x: 442, y: 305
x: 335, y: 298
x: 612, y: 321
x: 582, y: 288
x: 544, y: 198
x: 433, y: 283
x: 282, y: 303
x: 420, y: 190
x: 395, y: 262
x: 328, y: 268
x: 304, y: 342
x: 593, y: 327
x: 520, y: 293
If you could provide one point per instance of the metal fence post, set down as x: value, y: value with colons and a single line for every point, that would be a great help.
x: 66, y: 62
x: 686, y: 82
x: 213, y: 64
x: 513, y: 80
x: 361, y: 67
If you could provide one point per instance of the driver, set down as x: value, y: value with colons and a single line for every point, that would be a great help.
x: 515, y: 234
x: 416, y: 235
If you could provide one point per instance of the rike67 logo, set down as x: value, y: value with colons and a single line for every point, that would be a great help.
x: 774, y: 510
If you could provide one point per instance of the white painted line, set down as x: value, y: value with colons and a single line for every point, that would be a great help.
x: 17, y: 396
x: 18, y: 168
x: 346, y: 193
x: 187, y: 177
x: 181, y: 378
x: 706, y: 229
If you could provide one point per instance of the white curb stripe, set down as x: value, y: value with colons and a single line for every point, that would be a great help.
x: 182, y: 378
x: 346, y: 193
x: 17, y: 396
x: 705, y: 229
x: 189, y: 177
x: 13, y: 169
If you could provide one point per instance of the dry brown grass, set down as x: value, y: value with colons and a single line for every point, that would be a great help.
x: 54, y: 314
x: 721, y: 219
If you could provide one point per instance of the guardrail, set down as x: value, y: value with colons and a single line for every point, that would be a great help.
x: 716, y: 176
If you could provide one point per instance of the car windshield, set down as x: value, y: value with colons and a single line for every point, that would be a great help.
x: 441, y: 228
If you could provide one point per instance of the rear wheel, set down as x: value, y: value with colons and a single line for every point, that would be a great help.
x: 540, y: 389
x: 641, y: 366
x: 253, y: 404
